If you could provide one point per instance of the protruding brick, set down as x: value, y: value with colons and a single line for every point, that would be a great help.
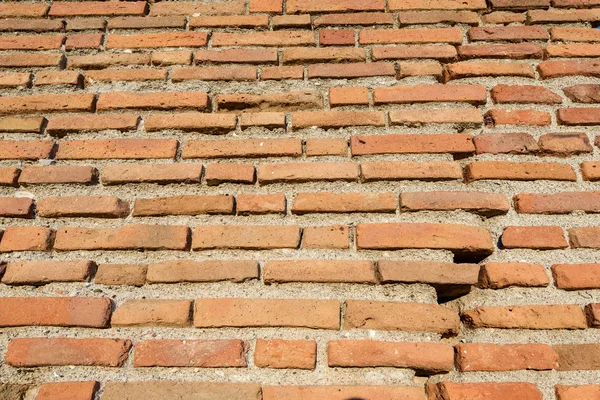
x: 557, y: 203
x: 276, y: 353
x: 517, y: 117
x: 498, y: 275
x: 9, y: 176
x: 564, y: 144
x: 576, y: 276
x: 152, y: 312
x: 190, y: 353
x: 55, y: 311
x: 548, y: 316
x: 588, y: 237
x: 589, y: 93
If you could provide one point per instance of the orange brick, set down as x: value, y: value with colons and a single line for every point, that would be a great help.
x: 501, y: 275
x: 588, y: 237
x: 184, y: 205
x: 396, y: 5
x: 437, y: 17
x: 214, y: 74
x: 14, y: 80
x: 358, y: 18
x: 344, y: 96
x: 510, y: 357
x: 410, y: 170
x: 190, y: 353
x: 350, y: 71
x: 152, y: 101
x: 30, y: 60
x: 151, y: 173
x: 502, y: 17
x: 281, y: 38
x: 517, y: 117
x: 566, y: 392
x: 150, y: 40
x: 171, y: 57
x: 164, y: 389
x: 557, y: 69
x: 324, y: 202
x: 238, y: 312
x: 202, y: 271
x: 486, y: 204
x: 63, y: 124
x: 523, y: 94
x: 229, y: 173
x: 332, y: 392
x: 9, y: 176
x: 26, y: 238
x: 526, y: 317
x: 445, y: 277
x: 16, y: 207
x: 17, y: 9
x: 84, y: 24
x: 82, y: 206
x: 152, y: 312
x: 258, y: 204
x: 99, y: 61
x: 126, y: 75
x: 307, y: 172
x: 578, y: 116
x: 337, y: 119
x: 189, y: 7
x: 491, y: 391
x: 21, y: 125
x: 146, y: 22
x: 84, y: 41
x: 576, y: 276
x: 237, y: 56
x: 324, y: 271
x: 57, y: 78
x: 42, y: 103
x: 418, y: 117
x: 249, y: 237
x: 530, y: 171
x: 338, y: 37
x: 577, y: 357
x: 557, y: 203
x: 121, y: 274
x: 507, y: 33
x: 445, y: 52
x: 291, y: 21
x: 53, y: 42
x: 534, y: 237
x: 590, y: 171
x: 410, y: 143
x: 285, y: 101
x: 427, y: 68
x: 236, y: 21
x: 270, y: 120
x: 487, y: 68
x: 33, y: 175
x: 90, y: 8
x: 326, y: 147
x: 433, y: 35
x: 269, y: 73
x: 320, y: 6
x: 326, y: 237
x: 510, y: 51
x: 117, y: 149
x: 299, y: 55
x: 473, y: 94
x: 72, y: 390
x: 509, y: 143
x: 266, y: 6
x: 198, y: 122
x: 297, y: 354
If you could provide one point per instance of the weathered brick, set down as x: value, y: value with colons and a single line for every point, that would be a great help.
x: 152, y: 312
x: 26, y: 238
x: 236, y: 21
x: 563, y: 144
x: 510, y: 51
x: 578, y: 116
x: 523, y: 94
x: 84, y: 24
x: 326, y: 147
x: 503, y: 17
x: 53, y: 42
x: 325, y: 237
x: 71, y: 390
x: 229, y: 173
x: 286, y: 101
x: 425, y: 358
x: 241, y: 312
x: 268, y: 73
x: 507, y: 33
x: 573, y: 50
x: 82, y: 206
x: 17, y: 9
x: 336, y: 37
x: 121, y: 274
x: 39, y: 352
x: 151, y: 173
x: 457, y: 238
x: 21, y: 125
x: 486, y: 204
x: 156, y: 390
x: 557, y: 203
x: 151, y: 40
x: 588, y: 237
x: 16, y: 207
x: 445, y: 52
x: 64, y: 124
x: 171, y: 57
x: 410, y: 170
x: 30, y: 60
x: 117, y: 149
x: 550, y: 16
x: 590, y: 171
x: 489, y: 391
x: 202, y: 271
x: 501, y: 275
x: 84, y: 41
x: 557, y: 69
x: 344, y: 96
x: 258, y: 204
x: 184, y: 205
x: 277, y: 353
x: 572, y: 392
x: 517, y: 117
x: 9, y: 176
x: 41, y: 103
x: 146, y: 22
x: 336, y: 119
x: 307, y: 172
x: 241, y: 56
x: 324, y: 202
x: 281, y: 38
x: 332, y: 392
x: 410, y: 143
x: 291, y: 21
x: 55, y: 311
x: 576, y: 276
x: 58, y: 78
x: 548, y: 316
x: 9, y: 80
x: 418, y: 117
x: 393, y: 316
x: 401, y: 5
x: 432, y: 35
x: 505, y: 143
x: 198, y: 122
x: 426, y: 68
x: 270, y: 120
x: 510, y: 357
x: 190, y: 353
x: 125, y: 75
x: 358, y: 18
x: 438, y: 17
x: 350, y: 71
x: 152, y: 101
x: 189, y: 7
x: 267, y: 6
x: 586, y: 93
x: 90, y: 8
x: 592, y: 311
x: 327, y: 271
x: 248, y: 237
x: 283, y: 147
x: 487, y: 68
x: 473, y: 94
x: 519, y: 4
x: 529, y: 171
x: 577, y: 357
x: 534, y: 237
x: 42, y: 272
x: 99, y: 61
x: 128, y: 237
x: 320, y: 6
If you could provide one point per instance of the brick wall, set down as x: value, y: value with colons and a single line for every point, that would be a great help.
x: 314, y: 199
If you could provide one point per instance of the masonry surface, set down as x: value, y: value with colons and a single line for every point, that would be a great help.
x: 300, y: 199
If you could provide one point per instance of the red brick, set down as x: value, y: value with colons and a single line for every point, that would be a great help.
x: 202, y: 271
x: 34, y: 175
x: 557, y: 69
x: 40, y: 352
x: 152, y: 312
x: 146, y: 22
x: 16, y: 207
x: 241, y: 312
x: 89, y: 8
x: 197, y: 122
x: 501, y: 275
x: 577, y: 357
x: 566, y: 392
x: 57, y: 78
x: 121, y: 274
x: 590, y: 171
x: 410, y: 170
x: 151, y: 173
x: 164, y: 39
x: 437, y: 17
x: 82, y: 206
x: 276, y: 353
x: 189, y: 7
x: 576, y: 276
x: 116, y: 149
x: 516, y: 117
x: 410, y: 143
x: 42, y: 272
x: 55, y: 311
x: 344, y: 96
x: 325, y: 237
x: 71, y: 390
x: 342, y: 392
x: 507, y: 33
x: 17, y: 9
x: 103, y: 60
x: 128, y: 237
x: 84, y: 41
x: 286, y: 101
x: 64, y: 124
x: 445, y: 277
x: 487, y: 68
x: 42, y: 103
x: 548, y: 316
x: 13, y: 80
x: 486, y: 204
x: 190, y: 353
x: 337, y: 119
x: 473, y: 94
x: 511, y: 357
x: 534, y: 237
x: 418, y: 117
x: 557, y: 203
x: 393, y: 316
x: 359, y: 18
x: 505, y: 143
x: 268, y: 73
x: 578, y: 116
x: 242, y: 56
x: 9, y: 176
x: 349, y: 71
x: 270, y: 120
x: 324, y: 202
x: 229, y: 173
x: 445, y: 52
x: 519, y: 171
x: 126, y: 75
x: 339, y: 37
x: 258, y: 204
x: 30, y: 60
x: 21, y: 125
x: 432, y: 35
x: 247, y: 237
x: 402, y: 5
x: 523, y: 94
x: 320, y: 6
x: 324, y: 271
x: 271, y: 39
x: 588, y: 237
x: 236, y: 21
x: 489, y: 391
x: 307, y: 172
x: 183, y: 205
x: 589, y: 93
x: 26, y: 238
x: 425, y: 358
x: 53, y: 42
x: 164, y: 389
x: 510, y: 51
x: 152, y: 101
x: 457, y: 238
x: 326, y: 147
